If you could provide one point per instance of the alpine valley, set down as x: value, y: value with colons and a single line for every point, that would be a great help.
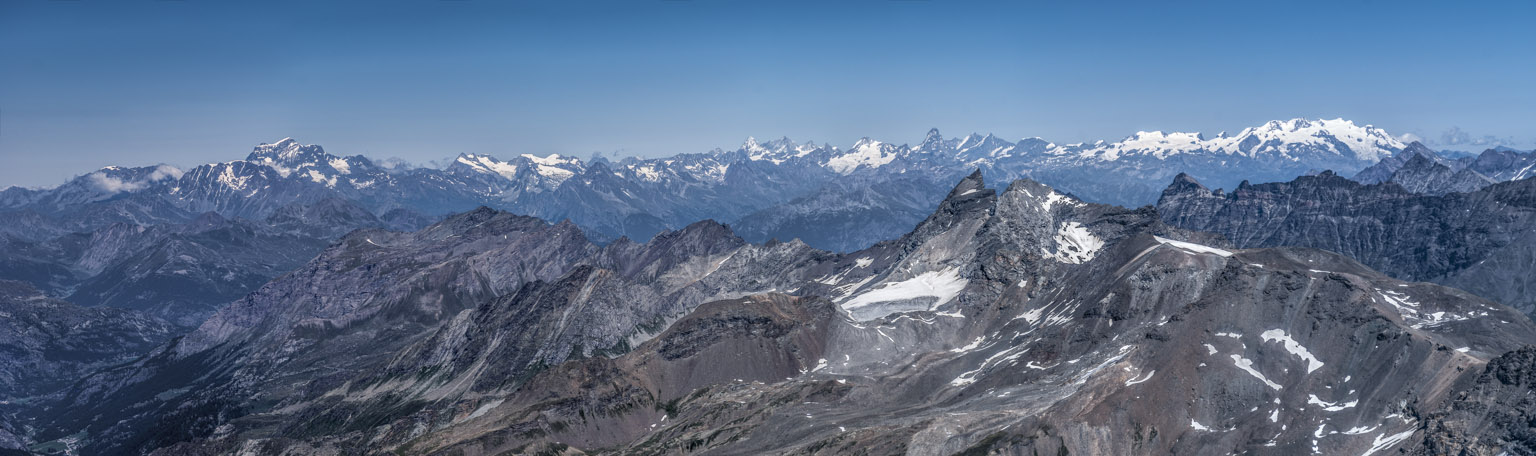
x: 785, y: 298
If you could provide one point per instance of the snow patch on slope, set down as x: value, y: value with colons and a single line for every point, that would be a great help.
x: 940, y: 286
x: 866, y: 152
x: 1276, y: 335
x: 1192, y: 247
x: 1247, y: 366
x: 1075, y: 244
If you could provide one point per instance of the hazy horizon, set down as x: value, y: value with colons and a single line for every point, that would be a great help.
x: 185, y: 83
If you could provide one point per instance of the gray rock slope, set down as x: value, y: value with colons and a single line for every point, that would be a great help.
x: 175, y: 265
x: 1421, y: 170
x: 47, y: 344
x: 1482, y: 241
x: 1019, y: 322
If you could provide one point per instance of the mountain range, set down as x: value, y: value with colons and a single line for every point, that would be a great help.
x: 1021, y: 321
x: 749, y: 187
x: 298, y: 302
x: 766, y: 189
x: 1420, y: 170
x: 180, y: 243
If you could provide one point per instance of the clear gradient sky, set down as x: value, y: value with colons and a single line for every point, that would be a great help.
x: 90, y: 83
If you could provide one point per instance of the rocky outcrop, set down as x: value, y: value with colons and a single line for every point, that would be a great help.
x: 179, y: 267
x: 1495, y: 416
x: 1424, y: 176
x: 1420, y: 170
x: 50, y: 343
x: 47, y: 344
x: 1480, y: 241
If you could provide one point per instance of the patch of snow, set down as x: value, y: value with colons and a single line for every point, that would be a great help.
x: 998, y: 358
x: 1409, y: 310
x: 556, y: 174
x: 228, y: 178
x: 1247, y: 366
x: 481, y: 411
x: 867, y: 153
x: 646, y: 172
x: 1331, y: 406
x: 341, y: 165
x: 1292, y: 346
x: 1384, y: 441
x: 488, y: 164
x: 1033, y: 315
x: 551, y: 160
x: 942, y: 286
x: 1143, y: 379
x: 329, y: 181
x: 1052, y: 198
x: 1075, y: 244
x: 1192, y: 247
x: 971, y: 346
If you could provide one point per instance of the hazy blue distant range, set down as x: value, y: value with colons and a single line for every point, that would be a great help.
x: 840, y: 199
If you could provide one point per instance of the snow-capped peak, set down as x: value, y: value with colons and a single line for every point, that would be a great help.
x: 977, y: 147
x: 776, y: 151
x: 285, y: 149
x: 751, y: 145
x: 1286, y: 139
x: 554, y: 167
x: 933, y: 141
x: 280, y: 144
x: 1367, y: 143
x: 551, y: 159
x: 487, y: 164
x: 288, y: 156
x: 867, y: 153
x: 116, y: 179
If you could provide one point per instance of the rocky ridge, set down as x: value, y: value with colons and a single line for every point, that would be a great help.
x: 1478, y: 241
x: 1019, y: 321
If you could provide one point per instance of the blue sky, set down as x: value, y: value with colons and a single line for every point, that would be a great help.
x: 90, y: 83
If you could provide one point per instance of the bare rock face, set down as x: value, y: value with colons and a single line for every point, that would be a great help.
x: 47, y: 344
x: 1479, y: 241
x: 177, y: 266
x: 1019, y: 322
x: 1420, y: 170
x: 1497, y: 415
x: 1424, y: 176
